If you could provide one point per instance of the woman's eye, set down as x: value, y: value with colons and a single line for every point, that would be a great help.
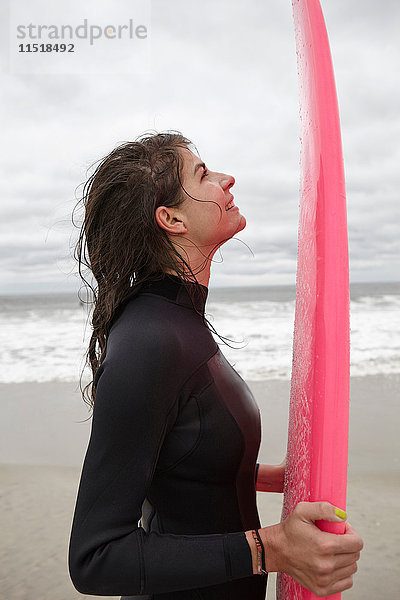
x: 205, y: 173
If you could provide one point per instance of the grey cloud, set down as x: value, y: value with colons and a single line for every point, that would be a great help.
x: 225, y: 74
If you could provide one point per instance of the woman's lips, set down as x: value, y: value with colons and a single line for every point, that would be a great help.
x: 230, y: 204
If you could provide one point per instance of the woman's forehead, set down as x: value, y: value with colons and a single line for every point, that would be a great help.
x: 189, y: 155
x: 190, y: 161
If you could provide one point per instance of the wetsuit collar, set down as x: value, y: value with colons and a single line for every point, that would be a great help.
x: 175, y: 289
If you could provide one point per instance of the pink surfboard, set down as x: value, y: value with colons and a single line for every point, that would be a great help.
x: 319, y: 399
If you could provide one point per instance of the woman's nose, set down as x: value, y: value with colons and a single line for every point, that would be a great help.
x: 227, y: 181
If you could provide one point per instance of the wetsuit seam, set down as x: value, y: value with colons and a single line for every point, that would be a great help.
x: 194, y: 395
x: 228, y: 565
x: 203, y: 362
x: 243, y: 449
x: 168, y: 300
x: 141, y: 562
x: 160, y: 523
x: 198, y: 439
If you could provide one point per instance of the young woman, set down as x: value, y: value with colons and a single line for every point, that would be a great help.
x: 166, y: 507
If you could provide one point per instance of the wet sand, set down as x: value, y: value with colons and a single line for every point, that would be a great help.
x: 42, y: 445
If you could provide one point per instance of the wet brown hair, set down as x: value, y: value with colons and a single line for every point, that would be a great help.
x: 120, y: 241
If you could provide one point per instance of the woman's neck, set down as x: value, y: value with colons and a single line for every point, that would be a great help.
x: 203, y: 277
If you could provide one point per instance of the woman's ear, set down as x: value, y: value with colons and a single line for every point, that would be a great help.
x: 170, y: 219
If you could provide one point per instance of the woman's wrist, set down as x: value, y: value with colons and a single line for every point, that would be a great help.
x: 256, y: 544
x: 253, y: 548
x: 270, y: 537
x: 272, y: 540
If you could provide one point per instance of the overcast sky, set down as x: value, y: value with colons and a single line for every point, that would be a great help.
x: 224, y: 73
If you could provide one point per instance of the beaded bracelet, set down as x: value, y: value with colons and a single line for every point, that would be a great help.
x: 260, y: 553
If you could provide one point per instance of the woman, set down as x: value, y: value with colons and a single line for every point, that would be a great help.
x: 166, y: 506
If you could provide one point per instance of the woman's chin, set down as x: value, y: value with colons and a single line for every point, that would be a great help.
x: 242, y: 223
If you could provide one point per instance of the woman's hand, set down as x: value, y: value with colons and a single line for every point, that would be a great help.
x: 270, y: 478
x: 321, y: 562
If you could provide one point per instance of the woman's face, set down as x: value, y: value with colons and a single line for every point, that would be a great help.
x: 206, y: 224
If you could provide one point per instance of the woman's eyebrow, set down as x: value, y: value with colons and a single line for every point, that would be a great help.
x: 197, y: 167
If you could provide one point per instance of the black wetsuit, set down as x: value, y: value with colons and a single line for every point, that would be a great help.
x: 174, y: 442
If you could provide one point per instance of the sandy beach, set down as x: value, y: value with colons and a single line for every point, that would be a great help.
x: 42, y: 444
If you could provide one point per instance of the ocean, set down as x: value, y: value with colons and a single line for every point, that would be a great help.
x: 44, y: 337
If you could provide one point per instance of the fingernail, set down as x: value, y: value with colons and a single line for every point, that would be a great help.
x: 340, y: 513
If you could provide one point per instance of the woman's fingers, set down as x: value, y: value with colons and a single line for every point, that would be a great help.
x: 332, y: 582
x: 349, y: 542
x: 345, y: 572
x: 344, y: 560
x: 316, y: 511
x: 339, y: 586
